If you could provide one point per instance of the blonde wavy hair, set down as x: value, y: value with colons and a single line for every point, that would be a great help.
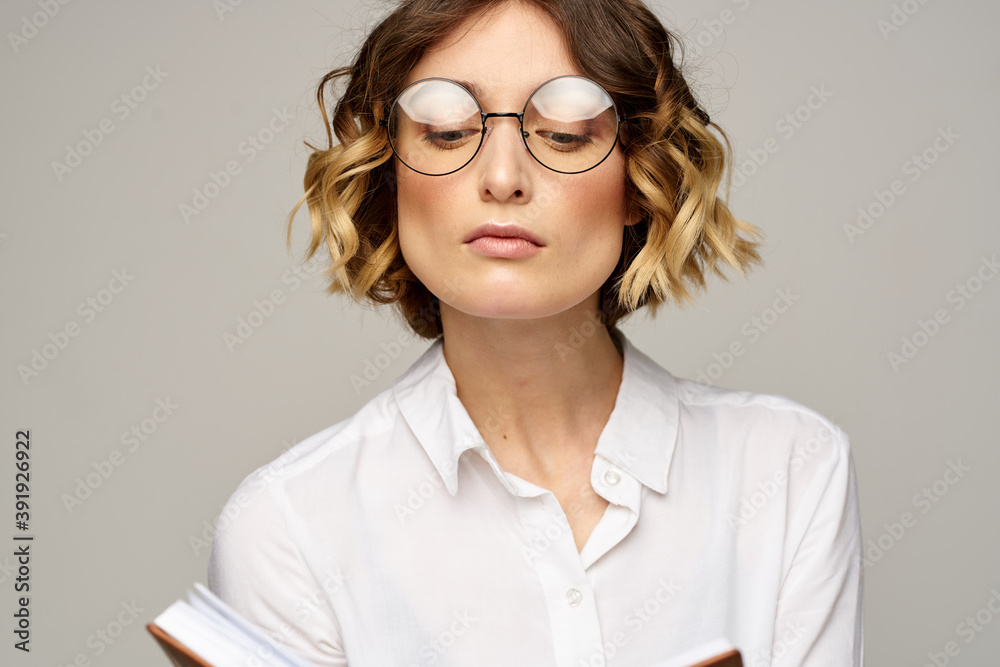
x: 674, y: 164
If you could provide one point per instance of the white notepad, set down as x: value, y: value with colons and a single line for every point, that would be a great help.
x: 210, y: 628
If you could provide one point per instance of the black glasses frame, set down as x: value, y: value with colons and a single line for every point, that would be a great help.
x: 620, y: 118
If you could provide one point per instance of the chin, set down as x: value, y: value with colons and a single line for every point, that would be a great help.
x: 514, y: 306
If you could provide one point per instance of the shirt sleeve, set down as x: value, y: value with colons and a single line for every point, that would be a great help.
x: 256, y: 568
x: 819, y: 618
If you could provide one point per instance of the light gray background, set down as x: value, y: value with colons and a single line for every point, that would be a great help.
x: 162, y: 336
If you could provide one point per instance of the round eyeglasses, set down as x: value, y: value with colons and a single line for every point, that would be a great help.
x: 569, y: 124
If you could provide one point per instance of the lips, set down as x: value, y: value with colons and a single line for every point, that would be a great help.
x: 503, y: 230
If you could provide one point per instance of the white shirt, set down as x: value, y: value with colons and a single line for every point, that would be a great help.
x: 394, y: 538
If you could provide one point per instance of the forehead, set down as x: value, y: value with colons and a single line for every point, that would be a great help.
x: 501, y: 57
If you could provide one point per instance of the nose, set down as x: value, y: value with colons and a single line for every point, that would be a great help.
x: 503, y: 169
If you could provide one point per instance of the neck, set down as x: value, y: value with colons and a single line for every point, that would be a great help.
x: 539, y: 391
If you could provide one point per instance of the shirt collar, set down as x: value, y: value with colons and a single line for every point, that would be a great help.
x: 639, y: 438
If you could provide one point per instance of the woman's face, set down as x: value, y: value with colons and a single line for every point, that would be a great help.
x: 578, y: 218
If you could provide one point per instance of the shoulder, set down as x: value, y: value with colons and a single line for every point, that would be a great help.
x: 313, y: 463
x: 263, y: 525
x: 770, y: 445
x: 767, y: 424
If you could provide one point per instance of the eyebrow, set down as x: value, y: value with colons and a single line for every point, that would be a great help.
x: 476, y: 90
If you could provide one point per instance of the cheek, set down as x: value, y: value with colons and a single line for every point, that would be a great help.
x: 425, y: 209
x: 604, y: 198
x: 417, y: 202
x: 595, y: 206
x: 424, y: 198
x: 596, y: 211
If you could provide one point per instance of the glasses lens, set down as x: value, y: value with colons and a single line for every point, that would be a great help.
x: 435, y: 126
x: 570, y: 124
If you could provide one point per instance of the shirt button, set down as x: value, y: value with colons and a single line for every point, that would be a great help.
x: 574, y: 597
x: 611, y: 477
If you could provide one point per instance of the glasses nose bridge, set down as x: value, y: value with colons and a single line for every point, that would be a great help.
x: 510, y: 114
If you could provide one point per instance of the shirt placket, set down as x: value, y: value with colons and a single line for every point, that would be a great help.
x: 562, y: 570
x: 623, y: 493
x: 569, y: 595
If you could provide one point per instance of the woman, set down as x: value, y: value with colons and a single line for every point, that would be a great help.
x: 534, y: 490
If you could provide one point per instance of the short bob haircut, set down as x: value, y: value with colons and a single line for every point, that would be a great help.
x: 674, y: 164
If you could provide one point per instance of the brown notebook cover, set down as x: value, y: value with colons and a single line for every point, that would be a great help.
x: 728, y: 659
x: 182, y: 656
x: 178, y: 653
